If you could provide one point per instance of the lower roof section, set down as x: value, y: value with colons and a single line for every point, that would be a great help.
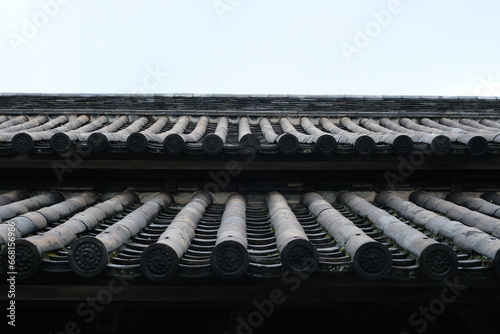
x: 384, y: 238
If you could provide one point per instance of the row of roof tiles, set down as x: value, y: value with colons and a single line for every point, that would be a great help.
x: 246, y: 135
x: 157, y: 237
x: 167, y: 95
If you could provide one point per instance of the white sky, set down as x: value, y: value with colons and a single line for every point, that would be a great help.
x: 391, y: 47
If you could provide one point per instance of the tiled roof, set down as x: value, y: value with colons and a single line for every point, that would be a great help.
x: 394, y: 235
x: 214, y: 135
x: 103, y: 192
x: 225, y: 124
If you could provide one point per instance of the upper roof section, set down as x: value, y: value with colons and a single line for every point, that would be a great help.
x: 305, y: 105
x: 162, y: 134
x: 214, y: 124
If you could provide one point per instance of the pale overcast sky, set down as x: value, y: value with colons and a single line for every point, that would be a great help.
x: 373, y: 47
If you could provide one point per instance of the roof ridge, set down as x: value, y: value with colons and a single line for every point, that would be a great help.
x: 253, y: 95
